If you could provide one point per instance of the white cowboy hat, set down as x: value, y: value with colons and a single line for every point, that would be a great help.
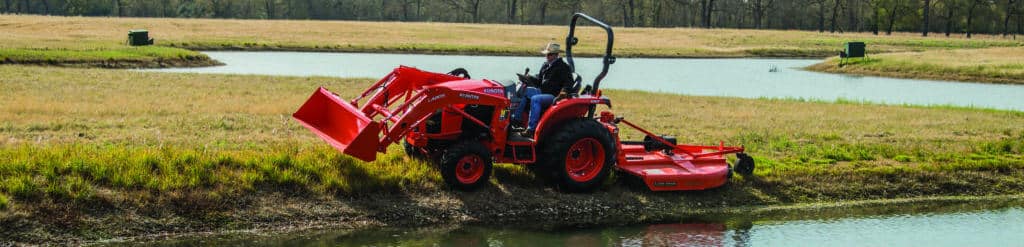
x: 551, y: 48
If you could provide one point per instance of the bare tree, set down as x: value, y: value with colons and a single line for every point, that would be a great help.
x: 851, y: 15
x: 270, y: 6
x: 1020, y: 19
x: 821, y: 14
x: 543, y: 11
x: 1006, y: 20
x: 511, y: 11
x: 926, y: 14
x: 970, y: 15
x: 759, y: 9
x: 835, y: 15
x: 627, y: 12
x: 471, y: 7
x: 895, y: 10
x: 950, y: 6
x: 707, y: 8
x: 120, y: 7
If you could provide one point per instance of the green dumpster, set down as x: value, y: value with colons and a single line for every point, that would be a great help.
x: 854, y: 49
x: 139, y: 37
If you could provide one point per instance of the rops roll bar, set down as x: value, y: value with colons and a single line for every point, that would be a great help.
x: 608, y: 60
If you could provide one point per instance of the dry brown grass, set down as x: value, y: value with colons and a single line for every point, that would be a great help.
x: 46, y: 32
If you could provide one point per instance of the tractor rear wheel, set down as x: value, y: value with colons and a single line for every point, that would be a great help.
x: 466, y: 165
x: 579, y: 155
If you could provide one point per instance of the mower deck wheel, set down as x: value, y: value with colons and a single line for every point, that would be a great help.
x: 744, y: 164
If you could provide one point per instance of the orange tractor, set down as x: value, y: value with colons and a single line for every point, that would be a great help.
x: 464, y: 125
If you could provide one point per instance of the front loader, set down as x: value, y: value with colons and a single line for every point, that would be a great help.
x: 464, y: 125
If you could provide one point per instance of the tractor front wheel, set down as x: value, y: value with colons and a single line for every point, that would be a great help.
x: 580, y: 154
x: 466, y: 165
x: 412, y: 151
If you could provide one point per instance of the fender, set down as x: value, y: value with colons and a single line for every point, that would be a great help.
x: 568, y: 109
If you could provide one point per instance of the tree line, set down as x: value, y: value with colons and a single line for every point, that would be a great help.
x: 1003, y: 17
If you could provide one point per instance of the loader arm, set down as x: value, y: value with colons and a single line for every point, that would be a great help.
x: 385, y: 117
x: 401, y: 119
x: 401, y: 82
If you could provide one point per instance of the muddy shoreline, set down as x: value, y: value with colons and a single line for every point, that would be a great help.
x: 118, y: 217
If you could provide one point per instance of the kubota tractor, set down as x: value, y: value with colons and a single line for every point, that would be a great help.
x: 464, y: 125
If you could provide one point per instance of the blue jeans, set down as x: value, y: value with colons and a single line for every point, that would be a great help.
x: 538, y: 101
x: 523, y: 107
x: 537, y: 105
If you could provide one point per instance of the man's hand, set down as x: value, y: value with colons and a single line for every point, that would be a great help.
x: 561, y: 96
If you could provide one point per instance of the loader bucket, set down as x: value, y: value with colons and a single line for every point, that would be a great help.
x: 340, y: 124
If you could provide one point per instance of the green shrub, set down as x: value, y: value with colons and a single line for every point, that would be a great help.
x: 4, y: 201
x: 903, y: 158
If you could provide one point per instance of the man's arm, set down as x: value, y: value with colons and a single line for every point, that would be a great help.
x: 566, y: 81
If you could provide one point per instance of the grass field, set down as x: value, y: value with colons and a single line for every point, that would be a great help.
x: 92, y: 33
x: 996, y: 65
x: 90, y: 135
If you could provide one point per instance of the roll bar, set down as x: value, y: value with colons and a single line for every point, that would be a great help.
x: 608, y: 60
x: 571, y: 40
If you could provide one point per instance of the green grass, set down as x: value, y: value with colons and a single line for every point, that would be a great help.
x: 4, y: 202
x: 90, y: 135
x: 141, y: 53
x: 112, y: 57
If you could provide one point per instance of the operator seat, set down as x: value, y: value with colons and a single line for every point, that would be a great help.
x: 573, y: 92
x: 577, y: 83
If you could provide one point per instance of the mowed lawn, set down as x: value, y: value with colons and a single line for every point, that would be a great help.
x: 81, y: 135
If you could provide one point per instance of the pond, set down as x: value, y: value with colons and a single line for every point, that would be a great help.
x: 746, y: 77
x: 918, y: 224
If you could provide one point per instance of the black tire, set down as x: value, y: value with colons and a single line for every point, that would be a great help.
x: 459, y: 163
x: 576, y: 142
x: 729, y: 174
x: 744, y: 164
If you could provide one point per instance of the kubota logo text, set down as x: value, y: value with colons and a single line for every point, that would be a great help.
x: 432, y: 99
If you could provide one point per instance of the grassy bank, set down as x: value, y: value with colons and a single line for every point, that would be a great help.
x: 46, y: 40
x: 39, y: 32
x: 108, y: 57
x: 995, y: 65
x: 89, y: 153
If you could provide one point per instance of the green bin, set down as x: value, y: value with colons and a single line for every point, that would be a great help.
x: 139, y: 37
x: 854, y: 49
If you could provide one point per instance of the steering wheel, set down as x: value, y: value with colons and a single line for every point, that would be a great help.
x: 527, y: 79
x: 460, y: 72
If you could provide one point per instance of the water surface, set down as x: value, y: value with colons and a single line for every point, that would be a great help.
x: 747, y: 78
x: 932, y: 224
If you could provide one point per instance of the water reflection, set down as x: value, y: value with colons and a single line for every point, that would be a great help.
x: 984, y: 223
x: 710, y: 234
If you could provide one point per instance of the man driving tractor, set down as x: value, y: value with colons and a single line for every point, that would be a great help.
x: 555, y: 78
